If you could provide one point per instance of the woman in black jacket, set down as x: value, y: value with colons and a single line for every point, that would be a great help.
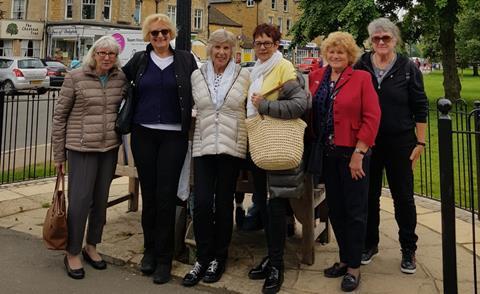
x: 159, y: 140
x: 400, y: 140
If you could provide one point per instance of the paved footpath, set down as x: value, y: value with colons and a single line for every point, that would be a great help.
x: 23, y: 207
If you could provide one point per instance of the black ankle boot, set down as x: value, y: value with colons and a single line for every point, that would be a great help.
x: 274, y: 280
x: 260, y: 271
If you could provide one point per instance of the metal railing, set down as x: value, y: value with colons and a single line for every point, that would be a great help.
x: 25, y: 136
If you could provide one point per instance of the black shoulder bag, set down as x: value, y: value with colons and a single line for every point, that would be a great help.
x: 123, y: 124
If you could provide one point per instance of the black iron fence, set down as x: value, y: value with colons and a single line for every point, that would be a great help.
x: 25, y: 136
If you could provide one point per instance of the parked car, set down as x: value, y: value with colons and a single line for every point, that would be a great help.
x: 248, y: 65
x: 309, y: 63
x: 56, y: 71
x: 23, y: 73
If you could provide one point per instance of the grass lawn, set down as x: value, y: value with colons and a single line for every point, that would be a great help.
x: 427, y: 173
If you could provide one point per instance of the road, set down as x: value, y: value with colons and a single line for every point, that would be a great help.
x: 27, y: 267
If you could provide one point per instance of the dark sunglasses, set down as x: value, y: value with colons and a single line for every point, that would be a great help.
x: 385, y: 39
x: 164, y: 32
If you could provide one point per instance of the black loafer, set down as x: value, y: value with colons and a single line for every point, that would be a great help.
x: 260, y: 271
x: 148, y: 264
x: 99, y: 265
x: 274, y: 280
x: 335, y: 271
x: 162, y: 274
x: 350, y: 282
x: 76, y: 274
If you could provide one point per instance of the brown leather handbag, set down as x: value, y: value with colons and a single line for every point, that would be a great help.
x: 55, y: 232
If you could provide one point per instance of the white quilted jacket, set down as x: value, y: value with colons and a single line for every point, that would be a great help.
x: 220, y: 131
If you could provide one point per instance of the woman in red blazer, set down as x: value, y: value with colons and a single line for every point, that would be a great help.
x: 343, y: 124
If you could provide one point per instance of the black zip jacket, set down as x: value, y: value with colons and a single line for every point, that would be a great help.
x: 184, y: 64
x: 402, y: 97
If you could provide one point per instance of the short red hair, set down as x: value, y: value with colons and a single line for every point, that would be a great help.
x: 269, y: 30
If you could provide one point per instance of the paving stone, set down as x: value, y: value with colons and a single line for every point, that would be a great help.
x: 6, y: 195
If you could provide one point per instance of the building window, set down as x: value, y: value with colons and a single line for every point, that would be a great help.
x: 30, y: 48
x: 270, y: 19
x: 198, y: 19
x: 250, y: 3
x: 88, y: 9
x: 6, y: 48
x: 18, y: 9
x: 289, y: 24
x: 280, y: 24
x: 137, y: 14
x: 285, y: 5
x: 274, y: 4
x: 107, y: 9
x: 68, y: 9
x: 172, y: 13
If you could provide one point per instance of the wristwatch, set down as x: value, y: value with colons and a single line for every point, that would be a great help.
x: 358, y: 150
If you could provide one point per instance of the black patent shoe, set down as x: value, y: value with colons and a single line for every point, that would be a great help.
x: 367, y: 255
x: 148, y: 264
x: 214, y: 271
x: 260, y: 271
x: 335, y: 271
x: 350, y: 282
x: 162, y: 274
x: 99, y: 265
x: 76, y: 274
x: 274, y: 280
x: 194, y: 275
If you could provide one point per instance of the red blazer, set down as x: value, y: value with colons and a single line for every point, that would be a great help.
x: 356, y: 110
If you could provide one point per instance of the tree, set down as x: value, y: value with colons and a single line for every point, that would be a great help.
x: 423, y: 18
x: 12, y: 29
x: 468, y: 32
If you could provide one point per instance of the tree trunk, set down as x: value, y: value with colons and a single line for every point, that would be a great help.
x: 475, y: 69
x: 448, y: 18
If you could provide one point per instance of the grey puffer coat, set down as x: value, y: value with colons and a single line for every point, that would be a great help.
x: 292, y: 103
x: 85, y: 113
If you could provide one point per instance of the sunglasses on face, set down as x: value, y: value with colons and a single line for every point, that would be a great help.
x: 103, y: 54
x: 264, y: 44
x: 164, y: 32
x: 385, y: 39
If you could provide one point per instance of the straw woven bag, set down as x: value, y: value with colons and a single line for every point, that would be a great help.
x: 275, y: 144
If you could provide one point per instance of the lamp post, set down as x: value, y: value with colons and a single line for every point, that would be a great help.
x: 184, y: 20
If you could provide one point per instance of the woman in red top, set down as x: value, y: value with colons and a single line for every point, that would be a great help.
x: 343, y: 124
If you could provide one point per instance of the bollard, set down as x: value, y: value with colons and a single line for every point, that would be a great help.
x: 445, y: 150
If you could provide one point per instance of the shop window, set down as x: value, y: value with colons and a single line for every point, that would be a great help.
x: 172, y: 13
x: 6, y: 47
x: 88, y: 9
x: 137, y: 14
x: 30, y: 48
x: 68, y: 9
x: 198, y: 19
x: 250, y: 3
x: 19, y: 8
x: 107, y: 8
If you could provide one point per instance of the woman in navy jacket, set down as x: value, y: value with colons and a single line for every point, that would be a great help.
x: 343, y: 123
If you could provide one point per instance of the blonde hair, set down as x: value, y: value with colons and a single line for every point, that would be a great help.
x: 154, y: 18
x: 218, y: 37
x: 104, y: 42
x: 343, y: 40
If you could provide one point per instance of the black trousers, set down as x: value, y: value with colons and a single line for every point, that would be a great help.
x: 159, y: 157
x: 347, y: 202
x: 393, y: 155
x: 215, y: 182
x: 276, y: 229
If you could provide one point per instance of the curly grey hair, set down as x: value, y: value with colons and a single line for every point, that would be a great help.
x: 218, y: 37
x: 383, y: 24
x: 104, y: 42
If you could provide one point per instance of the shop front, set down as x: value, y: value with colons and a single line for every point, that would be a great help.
x: 21, y: 38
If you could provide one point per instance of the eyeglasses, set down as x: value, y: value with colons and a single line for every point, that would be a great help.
x: 385, y: 39
x: 103, y: 54
x: 164, y: 32
x: 265, y: 44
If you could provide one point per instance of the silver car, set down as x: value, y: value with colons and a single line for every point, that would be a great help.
x: 23, y: 73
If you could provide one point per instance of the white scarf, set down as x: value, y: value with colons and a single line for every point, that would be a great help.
x: 259, y: 71
x: 218, y: 96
